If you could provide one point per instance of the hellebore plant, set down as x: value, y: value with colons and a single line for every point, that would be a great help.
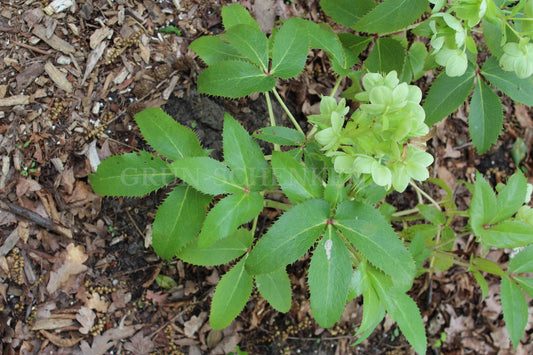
x: 334, y: 178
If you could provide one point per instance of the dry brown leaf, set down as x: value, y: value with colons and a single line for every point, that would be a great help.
x: 140, y: 344
x: 71, y: 263
x: 192, y: 325
x: 86, y: 318
x: 121, y: 298
x: 100, y: 346
x: 58, y: 340
x: 523, y: 116
x: 51, y: 323
x: 98, y: 303
x: 156, y: 297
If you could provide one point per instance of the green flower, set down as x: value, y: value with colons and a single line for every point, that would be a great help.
x: 470, y: 11
x: 448, y: 42
x: 328, y: 105
x: 381, y: 174
x: 525, y: 214
x: 454, y: 60
x: 518, y: 57
x: 330, y: 138
x: 413, y: 167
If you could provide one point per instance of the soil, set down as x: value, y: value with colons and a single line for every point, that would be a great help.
x: 77, y: 273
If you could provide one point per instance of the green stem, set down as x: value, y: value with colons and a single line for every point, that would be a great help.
x: 336, y: 87
x: 279, y: 205
x: 423, y: 193
x: 286, y: 109
x: 271, y: 116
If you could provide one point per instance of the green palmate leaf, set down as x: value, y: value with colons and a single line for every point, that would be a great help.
x: 167, y: 136
x: 347, y: 12
x: 508, y: 234
x: 275, y: 287
x: 483, y: 205
x: 329, y: 278
x: 523, y: 261
x: 515, y: 310
x: 358, y: 283
x: 228, y: 214
x: 323, y: 37
x: 388, y: 55
x: 233, y: 79
x: 131, y: 174
x: 485, y: 120
x: 290, y: 49
x: 373, y: 314
x: 371, y: 234
x: 511, y: 197
x: 250, y: 42
x: 212, y: 49
x: 237, y: 15
x: 520, y: 90
x: 402, y: 309
x: 280, y: 135
x: 481, y: 282
x: 432, y: 214
x: 206, y: 175
x: 391, y: 16
x: 178, y: 220
x: 243, y: 155
x: 298, y: 182
x: 290, y: 237
x: 447, y: 94
x: 526, y: 283
x: 221, y: 252
x: 231, y: 295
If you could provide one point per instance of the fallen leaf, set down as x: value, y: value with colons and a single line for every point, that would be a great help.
x: 71, y: 263
x: 192, y: 325
x: 86, y: 318
x: 98, y: 303
x: 157, y: 297
x: 58, y: 340
x: 140, y: 344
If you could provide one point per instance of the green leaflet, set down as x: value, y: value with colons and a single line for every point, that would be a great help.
x: 515, y: 309
x: 167, y: 136
x: 329, y: 278
x: 335, y: 192
x: 391, y: 16
x: 523, y: 261
x: 212, y: 49
x: 447, y: 94
x: 373, y: 236
x: 387, y: 55
x: 290, y: 49
x: 131, y: 174
x: 483, y: 204
x: 298, y: 182
x: 481, y: 282
x: 373, y: 313
x: 414, y: 66
x: 228, y: 214
x: 353, y: 45
x: 520, y: 90
x: 402, y: 308
x: 488, y: 266
x: 511, y: 197
x: 233, y: 79
x: 275, y: 287
x: 236, y: 14
x: 231, y: 295
x: 165, y: 282
x: 290, y: 237
x: 206, y: 175
x: 432, y: 214
x: 347, y: 12
x: 508, y: 234
x: 323, y: 37
x: 221, y: 252
x: 485, y: 120
x: 494, y: 37
x: 358, y: 283
x: 526, y: 283
x: 280, y: 135
x: 243, y: 155
x: 178, y: 220
x: 250, y: 42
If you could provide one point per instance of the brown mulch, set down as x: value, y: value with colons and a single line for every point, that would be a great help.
x: 77, y: 273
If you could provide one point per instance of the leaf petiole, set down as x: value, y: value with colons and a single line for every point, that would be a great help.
x: 286, y: 109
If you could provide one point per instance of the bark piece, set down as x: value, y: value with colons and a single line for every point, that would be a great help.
x: 54, y: 41
x: 58, y: 77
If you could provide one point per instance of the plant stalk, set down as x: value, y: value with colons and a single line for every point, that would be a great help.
x: 272, y: 118
x: 286, y: 109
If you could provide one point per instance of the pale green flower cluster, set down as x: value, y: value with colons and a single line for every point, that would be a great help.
x: 518, y: 57
x: 449, y: 43
x: 375, y: 141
